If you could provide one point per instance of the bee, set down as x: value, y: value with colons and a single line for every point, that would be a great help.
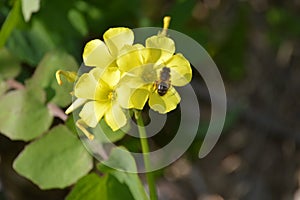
x: 164, y: 83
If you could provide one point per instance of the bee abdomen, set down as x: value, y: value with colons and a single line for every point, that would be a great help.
x: 162, y: 88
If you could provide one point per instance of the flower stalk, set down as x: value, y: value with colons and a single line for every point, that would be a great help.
x: 145, y: 150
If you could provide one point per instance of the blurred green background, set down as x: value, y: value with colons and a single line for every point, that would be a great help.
x: 255, y: 44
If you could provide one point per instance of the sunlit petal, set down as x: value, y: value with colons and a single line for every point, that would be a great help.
x: 140, y: 76
x: 116, y: 38
x: 102, y: 91
x: 161, y: 42
x: 153, y: 55
x: 139, y: 97
x: 92, y: 112
x: 123, y: 96
x: 86, y: 86
x: 165, y: 44
x: 181, y: 71
x: 96, y: 54
x: 115, y: 117
x: 130, y: 58
x: 111, y: 76
x: 132, y: 81
x: 128, y: 48
x: 76, y: 104
x: 166, y: 103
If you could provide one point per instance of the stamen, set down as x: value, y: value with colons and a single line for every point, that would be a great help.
x: 112, y: 95
x: 167, y: 20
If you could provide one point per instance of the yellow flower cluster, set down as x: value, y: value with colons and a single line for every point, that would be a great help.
x: 127, y: 76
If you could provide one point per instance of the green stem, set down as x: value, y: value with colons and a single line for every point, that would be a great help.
x: 12, y: 20
x: 145, y: 149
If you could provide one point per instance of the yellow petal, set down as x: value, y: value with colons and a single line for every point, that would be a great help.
x: 123, y: 96
x: 102, y: 92
x: 111, y: 76
x: 130, y: 58
x: 91, y: 86
x: 181, y: 71
x: 115, y: 117
x: 153, y: 55
x: 116, y: 38
x: 97, y: 72
x: 92, y: 112
x: 96, y: 54
x: 128, y: 48
x: 161, y: 42
x: 86, y: 86
x: 166, y: 103
x: 132, y: 81
x: 165, y: 44
x: 140, y: 76
x: 139, y: 98
x: 76, y: 104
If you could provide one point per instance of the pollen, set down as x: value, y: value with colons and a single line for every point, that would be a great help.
x: 112, y: 95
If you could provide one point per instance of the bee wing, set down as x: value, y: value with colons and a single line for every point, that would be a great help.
x: 172, y: 92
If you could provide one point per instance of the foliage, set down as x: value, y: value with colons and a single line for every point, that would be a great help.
x: 54, y: 166
x: 37, y: 38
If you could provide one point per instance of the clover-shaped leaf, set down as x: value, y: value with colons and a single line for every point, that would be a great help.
x: 57, y: 160
x: 44, y: 76
x: 10, y: 66
x: 93, y: 186
x: 24, y: 115
x: 121, y: 159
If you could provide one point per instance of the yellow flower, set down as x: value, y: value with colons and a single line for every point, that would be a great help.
x: 103, y: 54
x: 127, y: 76
x: 152, y: 67
x: 100, y: 90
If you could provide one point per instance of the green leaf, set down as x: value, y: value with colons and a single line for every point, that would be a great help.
x: 54, y: 19
x: 10, y: 66
x: 10, y: 23
x: 93, y: 187
x: 70, y: 123
x: 24, y: 115
x: 78, y: 22
x: 88, y: 188
x: 57, y: 160
x: 105, y: 134
x: 122, y: 160
x: 3, y: 86
x: 31, y: 45
x: 44, y: 76
x: 29, y: 7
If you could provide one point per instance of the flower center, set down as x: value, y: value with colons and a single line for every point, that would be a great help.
x: 112, y: 95
x: 149, y: 74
